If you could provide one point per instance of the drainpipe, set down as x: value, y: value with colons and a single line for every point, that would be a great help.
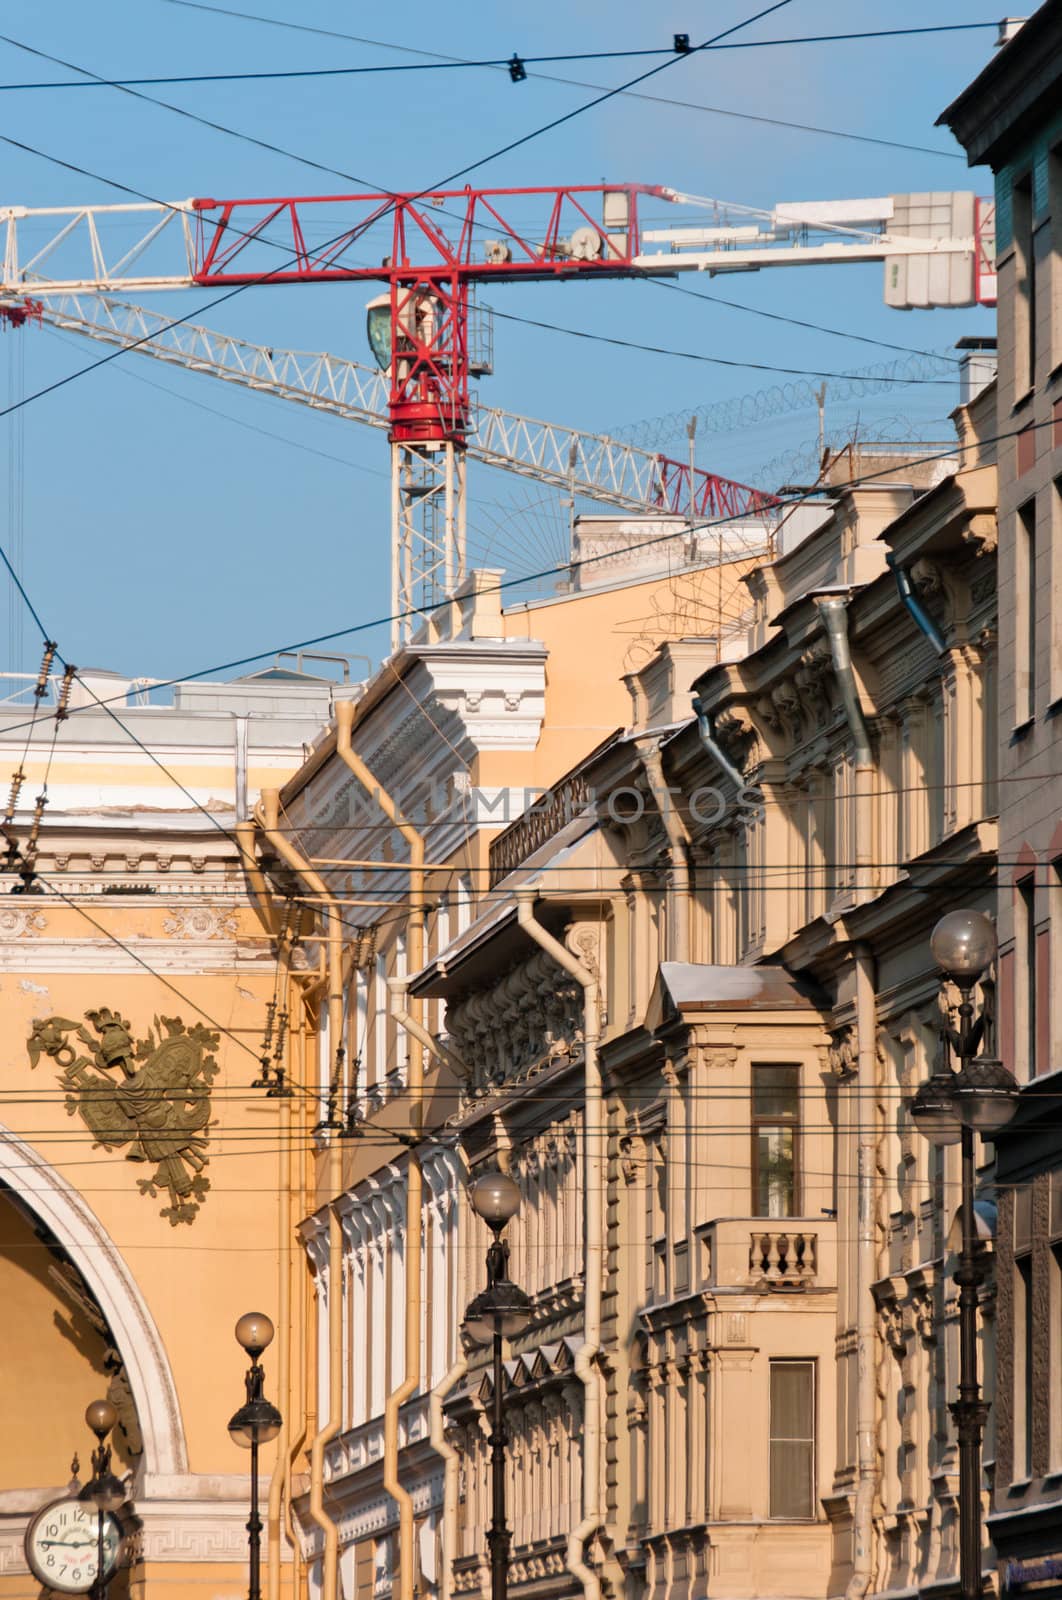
x: 344, y: 714
x: 678, y: 943
x: 257, y: 887
x: 296, y: 1386
x: 240, y: 730
x: 284, y: 1339
x: 866, y: 1271
x: 919, y: 614
x: 451, y: 1458
x: 708, y: 742
x: 833, y: 609
x: 267, y: 814
x: 399, y: 988
x: 586, y: 1369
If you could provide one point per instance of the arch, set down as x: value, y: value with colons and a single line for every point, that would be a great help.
x: 64, y: 1211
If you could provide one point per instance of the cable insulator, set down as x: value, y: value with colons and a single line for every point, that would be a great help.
x: 41, y: 689
x: 17, y: 780
x: 267, y: 1036
x: 61, y: 710
x: 265, y: 1079
x: 280, y: 1089
x: 282, y: 1034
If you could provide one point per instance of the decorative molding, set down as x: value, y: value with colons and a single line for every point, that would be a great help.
x: 159, y: 1104
x: 21, y: 924
x: 200, y: 922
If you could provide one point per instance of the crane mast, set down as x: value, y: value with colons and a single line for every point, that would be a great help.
x: 429, y: 252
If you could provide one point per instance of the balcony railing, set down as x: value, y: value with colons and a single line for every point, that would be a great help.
x: 787, y: 1258
x: 754, y: 1253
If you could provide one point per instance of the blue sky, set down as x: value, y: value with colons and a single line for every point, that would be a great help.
x: 160, y: 537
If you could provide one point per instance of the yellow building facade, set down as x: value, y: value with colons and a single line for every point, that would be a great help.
x: 626, y: 891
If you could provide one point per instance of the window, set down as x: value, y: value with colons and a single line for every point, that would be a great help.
x: 1054, y: 1463
x: 1026, y: 917
x: 1025, y: 614
x: 775, y: 1131
x: 1023, y: 1346
x: 792, y: 1448
x: 1023, y: 1335
x: 1024, y: 287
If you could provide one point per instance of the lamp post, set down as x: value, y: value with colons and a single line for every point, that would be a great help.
x: 949, y: 1109
x: 256, y: 1422
x: 103, y: 1490
x: 499, y: 1312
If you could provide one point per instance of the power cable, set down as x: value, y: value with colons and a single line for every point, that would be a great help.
x: 690, y: 355
x: 608, y: 94
x: 489, y: 61
x: 799, y: 322
x: 503, y: 585
x: 688, y: 105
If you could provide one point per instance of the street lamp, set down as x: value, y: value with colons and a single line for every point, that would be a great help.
x: 949, y: 1109
x: 103, y: 1490
x: 256, y: 1422
x: 500, y: 1312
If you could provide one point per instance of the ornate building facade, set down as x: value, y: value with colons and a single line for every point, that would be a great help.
x: 1009, y: 120
x: 680, y: 987
x: 141, y: 1178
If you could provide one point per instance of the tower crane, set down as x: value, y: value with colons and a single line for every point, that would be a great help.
x: 430, y: 252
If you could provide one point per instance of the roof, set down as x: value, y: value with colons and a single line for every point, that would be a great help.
x: 1017, y: 91
x: 440, y: 977
x: 683, y: 988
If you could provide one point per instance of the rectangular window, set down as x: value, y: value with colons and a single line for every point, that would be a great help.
x: 1025, y: 1036
x: 1025, y: 614
x: 1055, y: 1391
x: 1023, y: 1348
x: 1024, y: 287
x: 775, y: 1137
x: 792, y: 1445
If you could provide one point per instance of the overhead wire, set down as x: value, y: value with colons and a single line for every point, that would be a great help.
x: 505, y: 584
x: 264, y: 76
x: 669, y: 102
x: 692, y: 355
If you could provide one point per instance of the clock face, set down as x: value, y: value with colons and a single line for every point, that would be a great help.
x: 62, y: 1545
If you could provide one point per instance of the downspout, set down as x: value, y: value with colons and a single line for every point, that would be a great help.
x: 240, y: 731
x: 297, y: 1386
x: 866, y: 1259
x: 267, y: 814
x: 278, y: 1480
x: 257, y: 887
x: 919, y: 614
x: 833, y: 610
x: 446, y: 1057
x: 709, y: 743
x: 399, y: 988
x: 586, y: 1369
x: 678, y: 943
x: 451, y: 1467
x: 344, y: 713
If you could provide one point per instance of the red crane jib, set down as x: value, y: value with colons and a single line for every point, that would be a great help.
x: 431, y: 249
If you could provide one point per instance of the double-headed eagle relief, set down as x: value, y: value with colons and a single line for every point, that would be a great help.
x: 151, y: 1094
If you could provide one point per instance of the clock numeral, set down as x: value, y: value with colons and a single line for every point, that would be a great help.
x: 76, y: 1574
x: 49, y: 1561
